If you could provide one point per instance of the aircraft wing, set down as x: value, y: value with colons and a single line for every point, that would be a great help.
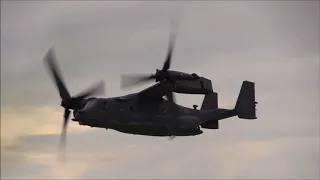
x: 155, y: 92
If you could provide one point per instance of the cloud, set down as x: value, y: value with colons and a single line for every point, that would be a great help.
x: 18, y: 122
x: 223, y: 158
x: 275, y: 44
x: 90, y: 37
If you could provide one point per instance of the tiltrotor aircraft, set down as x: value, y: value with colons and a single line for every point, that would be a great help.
x: 147, y: 112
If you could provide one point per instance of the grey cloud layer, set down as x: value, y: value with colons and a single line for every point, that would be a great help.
x: 98, y: 40
x: 275, y: 44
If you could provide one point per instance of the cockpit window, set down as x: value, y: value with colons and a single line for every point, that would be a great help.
x: 90, y: 103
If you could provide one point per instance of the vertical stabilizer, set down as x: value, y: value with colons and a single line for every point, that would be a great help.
x: 210, y: 101
x: 246, y: 104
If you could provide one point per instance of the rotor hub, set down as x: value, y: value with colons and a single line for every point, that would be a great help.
x: 64, y: 103
x: 161, y: 75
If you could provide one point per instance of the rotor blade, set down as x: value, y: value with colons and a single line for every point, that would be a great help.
x: 171, y: 97
x: 172, y: 107
x: 172, y: 110
x: 131, y: 80
x: 96, y: 89
x: 63, y: 136
x: 172, y: 40
x: 50, y: 61
x: 167, y: 63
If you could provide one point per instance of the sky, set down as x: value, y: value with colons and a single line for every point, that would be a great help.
x: 274, y: 44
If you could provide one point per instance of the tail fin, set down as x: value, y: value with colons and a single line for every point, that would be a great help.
x: 246, y: 105
x: 210, y: 101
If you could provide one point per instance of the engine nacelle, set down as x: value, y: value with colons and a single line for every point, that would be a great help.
x: 200, y: 86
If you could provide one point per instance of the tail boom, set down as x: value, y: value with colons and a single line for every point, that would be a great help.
x: 245, y: 107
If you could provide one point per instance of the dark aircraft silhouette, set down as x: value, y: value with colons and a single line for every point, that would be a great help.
x: 147, y: 112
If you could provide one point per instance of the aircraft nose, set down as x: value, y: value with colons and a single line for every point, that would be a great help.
x: 84, y: 115
x: 78, y: 114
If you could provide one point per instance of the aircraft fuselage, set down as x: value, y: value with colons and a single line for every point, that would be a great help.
x: 125, y: 114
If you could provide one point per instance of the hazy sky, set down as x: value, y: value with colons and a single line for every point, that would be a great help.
x: 275, y: 44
